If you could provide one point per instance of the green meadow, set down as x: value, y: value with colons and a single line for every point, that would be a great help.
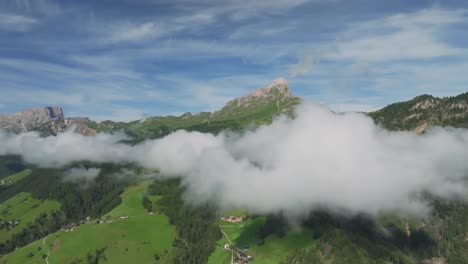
x: 15, y: 177
x: 140, y: 238
x: 270, y: 250
x: 25, y: 209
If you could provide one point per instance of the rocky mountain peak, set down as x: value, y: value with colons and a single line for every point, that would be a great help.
x: 38, y: 114
x: 278, y: 89
x: 426, y: 103
x: 47, y: 120
x: 32, y: 118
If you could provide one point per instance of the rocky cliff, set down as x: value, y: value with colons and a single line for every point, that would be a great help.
x: 424, y: 112
x: 45, y: 120
x: 275, y: 98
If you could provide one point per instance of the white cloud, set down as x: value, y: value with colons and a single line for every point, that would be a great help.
x: 304, y: 66
x: 341, y: 161
x: 156, y: 28
x: 199, y: 18
x: 241, y: 10
x: 404, y: 44
x: 16, y: 23
x: 131, y: 32
x: 119, y: 113
x: 352, y: 108
x: 263, y: 30
x: 245, y: 10
x: 74, y: 174
x: 402, y: 36
x: 42, y: 7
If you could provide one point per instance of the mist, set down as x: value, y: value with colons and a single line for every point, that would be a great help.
x: 343, y: 162
x: 80, y: 173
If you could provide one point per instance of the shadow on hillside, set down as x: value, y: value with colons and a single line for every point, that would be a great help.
x: 359, y: 232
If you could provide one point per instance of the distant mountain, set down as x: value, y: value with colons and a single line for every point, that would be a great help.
x: 46, y: 120
x: 275, y: 98
x: 257, y: 107
x: 439, y: 238
x: 424, y: 112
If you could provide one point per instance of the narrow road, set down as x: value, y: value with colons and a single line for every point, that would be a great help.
x: 224, y: 233
x: 48, y: 250
x: 233, y: 226
x: 230, y: 243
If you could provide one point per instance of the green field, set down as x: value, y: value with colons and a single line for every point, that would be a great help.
x: 271, y: 250
x: 131, y: 202
x: 15, y: 177
x: 136, y: 239
x: 25, y: 209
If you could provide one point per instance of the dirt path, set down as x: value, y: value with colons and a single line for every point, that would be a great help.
x: 230, y: 243
x: 239, y: 226
x: 48, y: 249
x: 224, y: 233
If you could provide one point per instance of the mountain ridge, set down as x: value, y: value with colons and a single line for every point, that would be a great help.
x: 423, y: 112
x: 48, y: 120
x: 258, y: 106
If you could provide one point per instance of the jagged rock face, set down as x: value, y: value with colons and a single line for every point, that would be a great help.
x: 46, y: 120
x: 80, y: 126
x: 424, y: 112
x: 276, y: 96
x: 273, y: 99
x: 278, y: 89
x: 31, y: 119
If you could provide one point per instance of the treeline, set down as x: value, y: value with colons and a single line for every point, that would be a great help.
x: 360, y: 239
x: 215, y: 127
x: 44, y: 225
x: 140, y: 133
x: 78, y: 199
x: 10, y: 165
x: 197, y: 231
x: 448, y: 226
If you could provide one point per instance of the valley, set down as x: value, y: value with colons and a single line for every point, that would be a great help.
x: 120, y: 240
x: 233, y: 132
x: 115, y: 219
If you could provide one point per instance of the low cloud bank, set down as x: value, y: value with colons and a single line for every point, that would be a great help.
x: 320, y: 159
x: 74, y: 174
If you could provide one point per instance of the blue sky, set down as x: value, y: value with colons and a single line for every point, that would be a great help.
x: 122, y: 59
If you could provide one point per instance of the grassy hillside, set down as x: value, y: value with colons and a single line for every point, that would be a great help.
x: 15, y: 177
x: 325, y: 238
x: 140, y: 238
x: 270, y: 249
x: 182, y: 233
x: 236, y: 114
x: 423, y: 112
x: 21, y: 210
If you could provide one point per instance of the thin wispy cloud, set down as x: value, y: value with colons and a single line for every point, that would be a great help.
x: 138, y: 32
x: 403, y: 36
x: 160, y: 58
x: 15, y: 22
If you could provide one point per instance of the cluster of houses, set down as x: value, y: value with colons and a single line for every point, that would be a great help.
x: 69, y: 227
x: 10, y: 224
x: 6, y: 182
x: 240, y: 254
x: 233, y: 219
x: 88, y: 219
